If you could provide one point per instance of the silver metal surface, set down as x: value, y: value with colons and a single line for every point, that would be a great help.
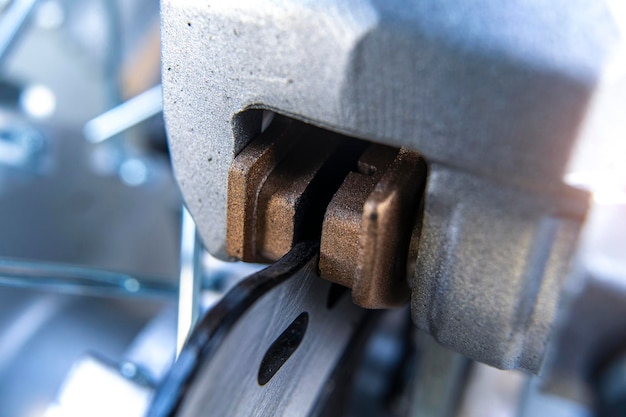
x: 491, y: 93
x: 592, y: 319
x: 43, y: 334
x: 21, y: 146
x: 154, y: 349
x: 56, y: 210
x: 126, y: 115
x: 491, y: 392
x: 97, y: 388
x: 239, y: 347
x: 77, y: 280
x: 439, y: 380
x: 536, y: 402
x: 232, y: 373
x: 190, y: 280
x: 490, y: 266
x: 12, y: 22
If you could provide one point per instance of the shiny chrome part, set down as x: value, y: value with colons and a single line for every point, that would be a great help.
x: 12, y: 22
x: 124, y: 116
x: 190, y: 280
x: 98, y: 388
x: 439, y: 381
x: 78, y: 280
x: 21, y: 146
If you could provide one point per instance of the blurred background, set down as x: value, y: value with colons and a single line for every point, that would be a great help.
x: 68, y: 195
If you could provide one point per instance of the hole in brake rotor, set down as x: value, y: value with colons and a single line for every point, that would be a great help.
x: 282, y: 348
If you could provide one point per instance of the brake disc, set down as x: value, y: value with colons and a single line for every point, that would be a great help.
x: 266, y: 349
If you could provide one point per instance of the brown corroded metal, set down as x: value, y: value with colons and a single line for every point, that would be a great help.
x: 279, y: 186
x: 286, y: 195
x: 368, y: 226
x: 299, y: 182
x: 248, y: 172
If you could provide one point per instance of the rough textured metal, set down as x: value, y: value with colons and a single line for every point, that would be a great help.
x: 488, y: 87
x: 286, y: 195
x: 368, y: 225
x: 279, y: 186
x: 491, y: 93
x: 248, y: 173
x: 490, y: 266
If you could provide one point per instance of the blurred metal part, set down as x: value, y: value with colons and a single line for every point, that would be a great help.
x: 148, y: 359
x: 154, y: 348
x: 12, y: 22
x: 535, y: 401
x: 124, y: 116
x: 491, y: 392
x: 591, y: 331
x: 78, y: 280
x: 612, y: 388
x: 98, y: 388
x: 190, y: 280
x: 43, y: 334
x: 142, y: 68
x: 439, y: 380
x: 4, y: 4
x: 22, y: 146
x: 66, y: 213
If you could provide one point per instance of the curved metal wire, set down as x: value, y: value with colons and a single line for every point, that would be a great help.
x: 79, y: 280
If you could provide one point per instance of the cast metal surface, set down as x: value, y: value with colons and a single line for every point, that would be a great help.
x: 492, y: 94
x: 450, y: 81
x: 368, y: 225
x: 223, y: 356
x: 491, y: 265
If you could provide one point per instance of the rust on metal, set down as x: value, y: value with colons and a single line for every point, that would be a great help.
x: 299, y: 182
x: 285, y: 195
x: 248, y: 172
x: 279, y: 186
x: 368, y: 226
